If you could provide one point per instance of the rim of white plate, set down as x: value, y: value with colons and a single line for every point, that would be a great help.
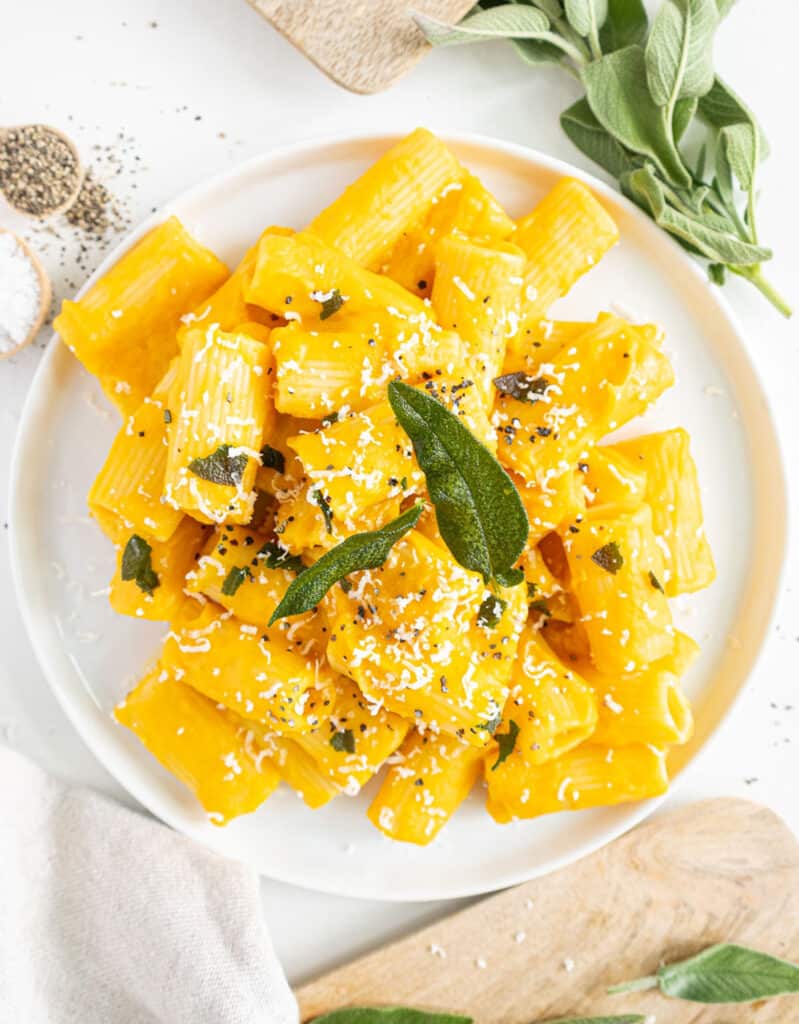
x: 21, y: 538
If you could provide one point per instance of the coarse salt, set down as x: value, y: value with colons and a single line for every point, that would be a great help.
x: 20, y: 293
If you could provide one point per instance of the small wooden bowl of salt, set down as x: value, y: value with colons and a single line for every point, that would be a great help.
x: 25, y: 294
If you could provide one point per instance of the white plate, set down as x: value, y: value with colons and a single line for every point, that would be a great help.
x: 91, y: 656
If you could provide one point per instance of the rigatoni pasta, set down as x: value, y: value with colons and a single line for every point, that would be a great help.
x: 220, y: 405
x: 124, y: 328
x: 564, y: 236
x: 199, y: 744
x: 262, y: 438
x: 368, y: 218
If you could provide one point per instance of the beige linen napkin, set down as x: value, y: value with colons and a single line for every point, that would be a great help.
x: 109, y: 917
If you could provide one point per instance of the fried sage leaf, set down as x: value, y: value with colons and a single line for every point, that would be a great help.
x: 480, y: 515
x: 361, y: 551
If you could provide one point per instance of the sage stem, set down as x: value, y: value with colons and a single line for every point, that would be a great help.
x: 756, y: 277
x: 638, y: 985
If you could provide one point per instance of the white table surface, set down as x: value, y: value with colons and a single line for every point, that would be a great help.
x: 197, y: 87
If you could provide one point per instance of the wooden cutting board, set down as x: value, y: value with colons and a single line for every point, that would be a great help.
x: 720, y: 870
x: 364, y: 45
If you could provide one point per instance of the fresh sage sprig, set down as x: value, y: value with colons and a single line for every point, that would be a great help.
x: 366, y: 550
x: 721, y: 974
x: 479, y: 513
x: 645, y: 87
x: 404, y: 1015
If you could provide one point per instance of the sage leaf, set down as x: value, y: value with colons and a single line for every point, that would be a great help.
x: 684, y: 111
x: 617, y: 94
x: 220, y: 467
x: 343, y: 741
x: 710, y: 242
x: 361, y: 551
x: 538, y: 51
x: 588, y: 135
x: 507, y: 742
x: 480, y: 515
x: 724, y: 7
x: 586, y: 17
x: 625, y: 24
x: 517, y: 22
x: 137, y: 564
x: 722, y: 182
x: 721, y: 107
x: 552, y: 8
x: 389, y: 1015
x: 609, y: 557
x: 509, y: 21
x: 740, y: 147
x: 679, y: 51
x: 511, y: 578
x: 729, y: 974
x: 234, y: 579
x: 725, y: 973
x: 331, y: 301
x: 275, y: 556
x: 323, y: 502
x: 490, y: 611
x: 522, y: 386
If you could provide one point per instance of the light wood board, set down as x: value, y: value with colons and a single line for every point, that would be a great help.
x: 364, y: 45
x: 716, y: 871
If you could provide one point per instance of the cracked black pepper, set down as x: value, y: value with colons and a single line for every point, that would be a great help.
x: 39, y: 171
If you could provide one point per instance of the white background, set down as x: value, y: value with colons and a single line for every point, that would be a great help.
x: 196, y: 86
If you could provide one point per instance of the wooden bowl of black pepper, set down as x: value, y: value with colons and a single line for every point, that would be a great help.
x: 40, y: 170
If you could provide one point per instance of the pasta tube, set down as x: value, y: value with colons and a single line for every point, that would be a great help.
x: 249, y: 670
x: 610, y: 477
x: 220, y: 407
x: 476, y: 293
x: 124, y: 328
x: 647, y: 706
x: 550, y: 705
x: 432, y: 776
x: 672, y: 490
x: 199, y: 745
x: 371, y: 214
x: 160, y: 598
x: 464, y: 207
x: 616, y: 567
x: 129, y: 485
x: 587, y: 776
x: 564, y: 236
